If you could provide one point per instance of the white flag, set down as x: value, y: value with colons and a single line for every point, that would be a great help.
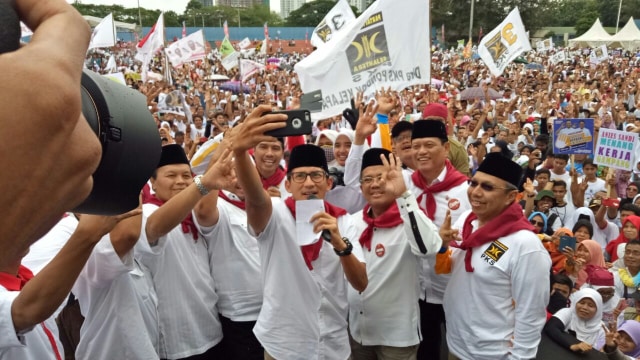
x: 244, y: 43
x: 190, y: 48
x: 504, y: 43
x: 387, y: 46
x: 263, y: 48
x: 104, y: 34
x: 248, y: 68
x: 334, y: 21
x: 111, y: 65
x: 558, y: 57
x: 544, y: 45
x: 152, y: 42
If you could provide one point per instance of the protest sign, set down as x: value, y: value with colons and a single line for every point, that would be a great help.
x: 573, y: 136
x: 504, y: 43
x: 615, y: 149
x: 387, y: 46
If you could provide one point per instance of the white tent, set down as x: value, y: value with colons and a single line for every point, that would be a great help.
x: 594, y: 37
x: 120, y: 26
x: 628, y: 37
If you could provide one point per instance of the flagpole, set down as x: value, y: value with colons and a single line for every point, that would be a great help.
x: 240, y: 74
x: 471, y: 20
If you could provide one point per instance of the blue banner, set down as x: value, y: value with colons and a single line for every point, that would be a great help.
x: 573, y: 136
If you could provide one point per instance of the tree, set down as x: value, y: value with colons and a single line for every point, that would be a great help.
x: 193, y: 5
x: 312, y: 13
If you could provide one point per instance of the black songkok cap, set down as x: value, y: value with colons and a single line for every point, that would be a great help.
x: 429, y: 129
x: 371, y: 157
x: 172, y: 154
x: 495, y: 164
x: 307, y: 155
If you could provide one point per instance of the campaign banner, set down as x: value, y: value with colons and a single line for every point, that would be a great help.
x: 333, y: 22
x: 544, y: 45
x: 598, y: 55
x: 573, y: 136
x: 190, y: 48
x: 387, y: 46
x: 558, y: 57
x: 615, y: 149
x: 245, y: 43
x: 504, y: 43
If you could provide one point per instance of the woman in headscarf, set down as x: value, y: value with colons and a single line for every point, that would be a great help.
x: 625, y: 343
x: 603, y: 235
x: 630, y: 191
x: 325, y: 140
x: 539, y: 222
x: 578, y: 328
x: 582, y: 230
x: 588, y: 253
x: 502, y: 147
x: 630, y: 229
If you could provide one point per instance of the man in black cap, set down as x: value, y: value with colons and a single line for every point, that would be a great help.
x: 500, y: 264
x: 304, y: 308
x: 384, y: 225
x: 176, y: 255
x: 439, y: 187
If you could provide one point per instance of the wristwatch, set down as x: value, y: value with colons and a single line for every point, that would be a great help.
x: 347, y: 250
x: 201, y: 188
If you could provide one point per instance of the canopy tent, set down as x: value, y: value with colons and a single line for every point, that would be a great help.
x: 120, y: 26
x: 594, y: 37
x: 628, y: 37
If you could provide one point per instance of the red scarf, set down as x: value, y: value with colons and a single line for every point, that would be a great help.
x: 275, y: 179
x: 188, y: 226
x: 390, y: 218
x: 238, y: 203
x: 509, y: 221
x: 452, y: 178
x: 16, y: 283
x: 312, y: 251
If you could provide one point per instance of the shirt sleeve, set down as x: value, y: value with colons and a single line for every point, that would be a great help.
x: 143, y: 246
x: 9, y: 336
x: 104, y: 264
x: 352, y: 166
x: 530, y: 291
x: 423, y: 235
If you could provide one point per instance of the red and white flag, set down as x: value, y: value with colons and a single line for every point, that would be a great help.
x: 153, y: 41
x: 226, y: 29
x: 184, y: 30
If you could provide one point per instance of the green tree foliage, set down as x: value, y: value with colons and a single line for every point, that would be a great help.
x: 312, y: 13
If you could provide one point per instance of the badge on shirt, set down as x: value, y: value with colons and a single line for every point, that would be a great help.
x: 494, y: 252
x: 454, y: 204
x: 380, y: 250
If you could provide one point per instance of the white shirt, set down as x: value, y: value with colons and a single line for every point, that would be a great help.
x: 482, y: 321
x: 304, y: 312
x: 433, y: 286
x: 43, y: 250
x: 188, y: 314
x: 31, y: 344
x: 235, y: 264
x: 592, y: 189
x: 119, y: 303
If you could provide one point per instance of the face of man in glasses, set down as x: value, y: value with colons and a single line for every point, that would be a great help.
x: 487, y: 204
x: 374, y: 188
x: 302, y: 190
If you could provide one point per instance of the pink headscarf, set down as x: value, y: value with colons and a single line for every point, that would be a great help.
x: 597, y: 259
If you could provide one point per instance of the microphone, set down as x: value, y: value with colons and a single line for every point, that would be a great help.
x: 326, y: 234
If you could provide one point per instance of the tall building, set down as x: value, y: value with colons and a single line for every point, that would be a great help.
x: 239, y: 3
x: 360, y: 4
x: 207, y: 2
x: 287, y: 6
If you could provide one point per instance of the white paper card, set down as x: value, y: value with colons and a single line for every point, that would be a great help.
x: 305, y: 209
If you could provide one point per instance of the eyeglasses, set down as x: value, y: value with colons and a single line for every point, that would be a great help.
x: 486, y: 186
x: 368, y: 180
x: 537, y: 223
x: 301, y: 176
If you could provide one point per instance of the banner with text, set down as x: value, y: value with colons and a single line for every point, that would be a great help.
x: 615, y: 149
x: 573, y: 136
x: 387, y: 46
x: 504, y: 43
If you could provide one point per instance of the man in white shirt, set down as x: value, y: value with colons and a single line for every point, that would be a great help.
x: 176, y: 254
x: 304, y: 308
x: 496, y: 299
x: 268, y: 159
x: 376, y: 329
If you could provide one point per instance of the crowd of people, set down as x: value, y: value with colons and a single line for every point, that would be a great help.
x: 470, y: 231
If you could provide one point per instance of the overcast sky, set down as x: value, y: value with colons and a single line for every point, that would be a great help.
x: 176, y: 5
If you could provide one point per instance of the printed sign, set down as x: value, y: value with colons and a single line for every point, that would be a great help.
x: 573, y: 136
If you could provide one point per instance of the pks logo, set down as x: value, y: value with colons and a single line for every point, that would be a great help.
x: 497, y: 48
x: 494, y: 252
x: 369, y: 48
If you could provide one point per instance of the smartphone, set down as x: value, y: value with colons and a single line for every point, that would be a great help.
x: 567, y: 241
x: 610, y: 202
x: 298, y: 123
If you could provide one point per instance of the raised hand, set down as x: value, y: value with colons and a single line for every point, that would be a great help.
x: 447, y: 234
x: 220, y: 174
x: 386, y: 101
x: 367, y: 123
x: 393, y: 175
x: 254, y: 127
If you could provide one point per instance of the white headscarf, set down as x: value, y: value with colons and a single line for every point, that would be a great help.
x: 590, y: 331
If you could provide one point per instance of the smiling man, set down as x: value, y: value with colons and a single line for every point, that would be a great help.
x: 267, y: 156
x: 500, y: 264
x: 304, y: 311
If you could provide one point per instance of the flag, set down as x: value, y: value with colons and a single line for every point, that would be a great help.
x: 200, y: 160
x: 443, y: 42
x: 467, y: 52
x: 544, y: 45
x: 226, y: 29
x: 335, y: 20
x: 263, y: 47
x: 184, y: 29
x: 111, y: 65
x: 226, y: 48
x: 266, y: 31
x: 384, y: 47
x: 306, y: 37
x: 461, y: 44
x: 186, y: 50
x: 504, y: 43
x: 104, y: 34
x: 167, y: 70
x: 148, y: 46
x: 229, y: 55
x: 248, y: 68
x: 480, y: 34
x: 558, y: 57
x: 245, y: 43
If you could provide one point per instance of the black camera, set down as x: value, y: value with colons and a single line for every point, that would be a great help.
x: 123, y: 124
x: 337, y: 176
